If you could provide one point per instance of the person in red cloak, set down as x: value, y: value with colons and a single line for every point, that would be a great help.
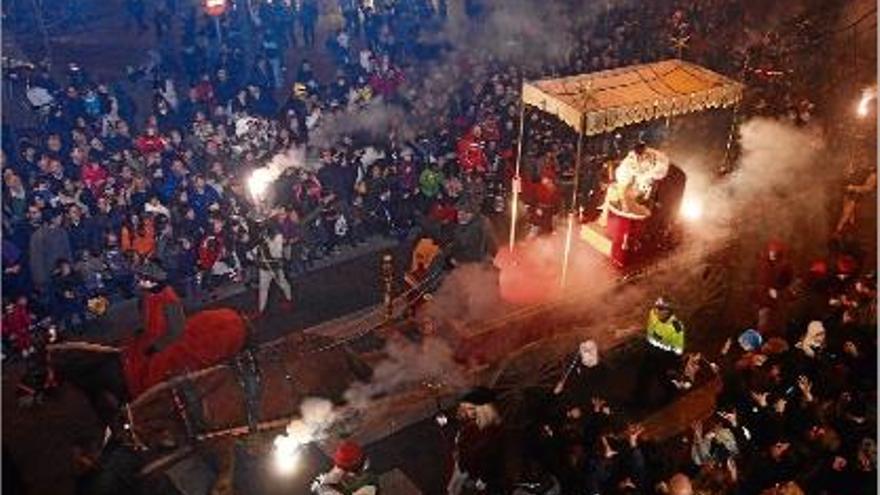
x: 775, y: 275
x: 470, y: 151
x: 169, y: 343
x: 163, y: 322
x: 161, y: 311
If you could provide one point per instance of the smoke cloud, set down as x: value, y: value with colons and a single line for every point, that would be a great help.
x: 371, y: 122
x: 317, y: 417
x: 407, y: 363
x: 778, y: 190
x: 429, y: 363
x: 528, y: 33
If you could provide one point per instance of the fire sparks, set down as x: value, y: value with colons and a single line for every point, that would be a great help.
x: 567, y: 250
x: 318, y: 416
x: 516, y: 185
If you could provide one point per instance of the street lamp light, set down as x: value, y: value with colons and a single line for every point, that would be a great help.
x: 215, y: 8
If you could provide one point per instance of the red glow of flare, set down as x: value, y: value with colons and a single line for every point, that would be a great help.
x: 524, y: 278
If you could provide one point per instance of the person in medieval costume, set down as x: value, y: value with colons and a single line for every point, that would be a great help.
x: 643, y: 167
x: 634, y: 181
x: 161, y: 310
x: 350, y: 474
x: 478, y: 466
x: 269, y: 255
x: 423, y: 256
x: 581, y: 373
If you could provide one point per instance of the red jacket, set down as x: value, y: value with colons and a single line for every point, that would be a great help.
x: 386, y: 83
x: 94, y: 176
x: 471, y: 156
x: 16, y: 327
x: 443, y: 213
x: 149, y: 144
x: 210, y: 250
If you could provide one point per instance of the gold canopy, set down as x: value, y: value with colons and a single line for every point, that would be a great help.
x: 603, y: 101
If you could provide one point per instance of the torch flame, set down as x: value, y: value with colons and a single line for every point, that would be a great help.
x: 868, y: 95
x: 691, y: 208
x: 286, y: 453
x: 259, y: 182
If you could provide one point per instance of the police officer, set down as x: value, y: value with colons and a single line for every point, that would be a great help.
x: 665, y: 331
x: 665, y: 339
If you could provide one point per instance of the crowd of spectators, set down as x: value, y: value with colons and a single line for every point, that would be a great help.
x: 100, y: 186
x: 100, y: 182
x: 794, y: 412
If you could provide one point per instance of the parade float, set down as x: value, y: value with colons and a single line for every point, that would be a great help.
x: 643, y: 199
x: 259, y: 391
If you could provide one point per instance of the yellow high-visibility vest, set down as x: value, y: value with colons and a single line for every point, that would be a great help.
x: 668, y: 335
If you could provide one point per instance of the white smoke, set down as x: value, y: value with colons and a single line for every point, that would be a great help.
x: 407, y: 364
x: 317, y: 418
x: 430, y: 362
x: 528, y: 33
x: 317, y: 415
x: 780, y: 189
x: 293, y: 157
x: 372, y: 122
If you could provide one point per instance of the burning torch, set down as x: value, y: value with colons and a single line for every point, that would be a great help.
x: 864, y: 106
x: 258, y: 185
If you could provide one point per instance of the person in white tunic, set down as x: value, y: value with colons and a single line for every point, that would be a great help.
x: 642, y: 167
x: 270, y: 261
x: 634, y: 181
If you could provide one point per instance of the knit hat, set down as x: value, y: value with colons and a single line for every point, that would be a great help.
x: 750, y: 340
x: 152, y: 271
x: 775, y: 246
x: 479, y: 396
x: 818, y: 269
x: 846, y: 265
x: 349, y: 456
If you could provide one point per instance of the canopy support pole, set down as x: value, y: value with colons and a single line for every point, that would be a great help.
x: 573, y: 207
x: 516, y: 182
x: 731, y: 132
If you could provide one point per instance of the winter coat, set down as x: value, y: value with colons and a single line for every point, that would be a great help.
x: 47, y: 246
x: 430, y: 182
x: 200, y: 201
x: 142, y: 241
x: 149, y: 144
x: 80, y: 236
x: 68, y: 294
x: 16, y: 327
x: 94, y: 176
